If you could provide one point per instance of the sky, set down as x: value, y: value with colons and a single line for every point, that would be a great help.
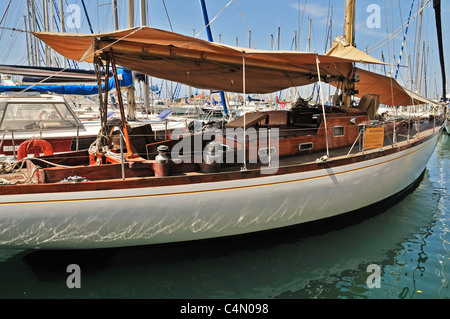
x: 376, y: 21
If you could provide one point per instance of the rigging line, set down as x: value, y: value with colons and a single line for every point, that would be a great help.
x: 328, y: 30
x: 111, y: 15
x: 167, y: 14
x: 387, y: 32
x: 206, y: 26
x: 6, y: 11
x: 75, y: 63
x: 248, y: 31
x: 301, y: 22
x: 4, y: 15
x: 87, y: 16
x: 323, y: 104
x: 404, y: 40
x: 397, y: 32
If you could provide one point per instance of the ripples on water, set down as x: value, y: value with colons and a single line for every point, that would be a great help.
x: 409, y: 241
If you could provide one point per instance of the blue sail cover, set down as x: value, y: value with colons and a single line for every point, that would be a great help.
x: 125, y: 79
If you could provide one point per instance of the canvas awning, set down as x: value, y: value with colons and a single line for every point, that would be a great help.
x: 388, y: 89
x: 342, y: 49
x: 200, y: 63
x: 214, y: 66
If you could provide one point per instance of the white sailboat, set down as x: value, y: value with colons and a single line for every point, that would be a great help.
x: 298, y: 166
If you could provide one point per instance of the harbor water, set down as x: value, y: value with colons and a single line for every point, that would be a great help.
x: 399, y: 250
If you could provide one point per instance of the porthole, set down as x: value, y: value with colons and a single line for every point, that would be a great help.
x: 306, y: 146
x: 263, y: 152
x: 338, y: 131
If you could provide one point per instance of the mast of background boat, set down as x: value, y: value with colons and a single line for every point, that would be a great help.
x: 210, y: 39
x: 309, y: 50
x: 419, y: 44
x: 63, y: 27
x: 142, y: 8
x: 46, y: 48
x: 52, y: 29
x: 116, y: 16
x: 36, y: 45
x: 437, y: 12
x: 331, y: 45
x: 404, y: 39
x: 131, y: 89
x: 26, y: 36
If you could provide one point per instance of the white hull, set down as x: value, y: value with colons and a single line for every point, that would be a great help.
x: 116, y: 218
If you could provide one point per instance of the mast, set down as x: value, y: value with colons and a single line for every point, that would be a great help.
x: 116, y: 16
x: 130, y: 13
x: 142, y: 8
x: 416, y: 81
x: 404, y: 39
x: 26, y: 35
x: 437, y: 12
x: 349, y: 25
x: 52, y: 29
x: 309, y: 50
x: 210, y: 39
x: 131, y: 90
x: 46, y: 48
x: 63, y: 27
x: 349, y: 32
x: 35, y: 39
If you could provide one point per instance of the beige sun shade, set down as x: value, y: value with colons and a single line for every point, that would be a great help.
x: 200, y: 63
x: 213, y: 66
x: 389, y: 90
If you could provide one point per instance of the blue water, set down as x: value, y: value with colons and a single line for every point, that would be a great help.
x: 408, y: 241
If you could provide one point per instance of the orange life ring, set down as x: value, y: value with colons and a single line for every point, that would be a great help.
x: 36, y: 146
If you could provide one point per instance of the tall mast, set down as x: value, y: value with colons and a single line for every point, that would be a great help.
x: 130, y: 13
x: 437, y: 11
x: 26, y: 35
x: 416, y: 80
x: 132, y: 107
x: 349, y: 25
x: 349, y: 32
x: 63, y: 27
x: 116, y: 16
x: 210, y: 39
x: 30, y: 27
x: 142, y: 8
x: 45, y: 14
x: 52, y: 29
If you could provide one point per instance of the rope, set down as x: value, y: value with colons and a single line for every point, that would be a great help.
x: 323, y: 104
x: 167, y: 14
x: 242, y: 16
x: 397, y: 32
x: 213, y: 19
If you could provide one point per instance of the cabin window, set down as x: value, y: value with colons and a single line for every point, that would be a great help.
x: 306, y: 146
x: 263, y: 152
x: 27, y: 116
x: 338, y: 131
